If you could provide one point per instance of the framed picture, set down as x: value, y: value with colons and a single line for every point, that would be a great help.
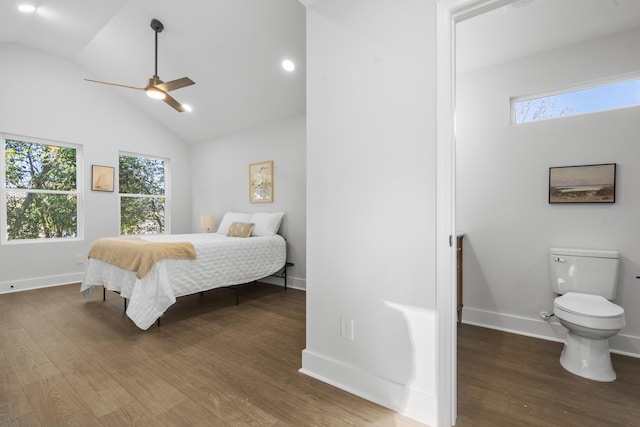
x: 583, y: 184
x: 261, y: 182
x: 102, y: 178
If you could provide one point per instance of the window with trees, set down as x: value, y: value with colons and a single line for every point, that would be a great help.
x: 143, y: 195
x: 40, y: 195
x: 619, y: 94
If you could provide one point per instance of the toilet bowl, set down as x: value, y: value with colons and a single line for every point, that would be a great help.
x: 586, y: 281
x: 590, y: 320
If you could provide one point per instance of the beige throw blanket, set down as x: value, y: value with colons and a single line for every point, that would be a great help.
x: 138, y: 255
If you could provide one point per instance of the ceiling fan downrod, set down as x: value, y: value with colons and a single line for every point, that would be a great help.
x: 156, y: 88
x: 157, y: 28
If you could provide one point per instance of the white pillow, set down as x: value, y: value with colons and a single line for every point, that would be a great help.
x: 266, y: 223
x: 231, y: 217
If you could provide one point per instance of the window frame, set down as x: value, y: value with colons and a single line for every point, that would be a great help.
x: 166, y: 196
x: 591, y: 84
x: 4, y: 191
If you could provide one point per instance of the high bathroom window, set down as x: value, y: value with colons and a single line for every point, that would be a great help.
x: 581, y: 100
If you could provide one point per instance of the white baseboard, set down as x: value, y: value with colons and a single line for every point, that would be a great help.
x: 40, y: 282
x: 405, y: 400
x: 292, y: 282
x: 552, y: 330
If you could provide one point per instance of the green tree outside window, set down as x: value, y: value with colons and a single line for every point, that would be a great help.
x: 142, y: 195
x: 40, y: 190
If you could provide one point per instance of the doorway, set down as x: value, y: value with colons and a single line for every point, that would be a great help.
x: 466, y: 13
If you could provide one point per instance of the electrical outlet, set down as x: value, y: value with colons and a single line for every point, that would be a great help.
x: 80, y: 259
x: 346, y: 328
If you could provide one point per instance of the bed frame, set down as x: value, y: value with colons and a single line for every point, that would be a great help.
x: 282, y: 273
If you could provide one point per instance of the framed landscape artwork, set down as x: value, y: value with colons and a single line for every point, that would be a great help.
x: 583, y: 184
x: 261, y: 182
x: 102, y: 178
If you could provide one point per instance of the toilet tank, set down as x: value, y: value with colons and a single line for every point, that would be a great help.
x: 584, y: 271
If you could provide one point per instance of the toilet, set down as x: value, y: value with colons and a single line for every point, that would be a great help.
x: 586, y: 280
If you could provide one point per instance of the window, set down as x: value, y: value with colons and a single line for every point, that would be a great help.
x: 40, y: 198
x: 570, y: 103
x: 143, y: 195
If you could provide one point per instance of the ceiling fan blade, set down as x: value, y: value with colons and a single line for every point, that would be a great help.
x: 114, y: 84
x: 155, y: 87
x: 175, y: 84
x: 175, y: 104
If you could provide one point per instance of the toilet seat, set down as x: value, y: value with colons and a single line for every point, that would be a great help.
x: 590, y: 311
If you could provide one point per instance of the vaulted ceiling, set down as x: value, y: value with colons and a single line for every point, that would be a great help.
x: 232, y: 49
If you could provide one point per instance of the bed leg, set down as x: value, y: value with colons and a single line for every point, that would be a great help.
x: 125, y: 305
x: 104, y: 293
x: 284, y: 273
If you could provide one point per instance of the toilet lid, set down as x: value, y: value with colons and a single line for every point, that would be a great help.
x: 588, y: 305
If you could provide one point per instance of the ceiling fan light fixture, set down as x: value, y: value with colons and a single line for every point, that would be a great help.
x: 156, y: 88
x: 155, y: 93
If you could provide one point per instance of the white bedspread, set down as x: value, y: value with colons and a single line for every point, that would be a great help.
x: 220, y: 261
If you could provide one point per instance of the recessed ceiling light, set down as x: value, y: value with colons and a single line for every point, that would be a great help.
x: 288, y: 65
x: 27, y: 8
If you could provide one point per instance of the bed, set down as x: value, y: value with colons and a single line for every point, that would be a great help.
x: 217, y: 260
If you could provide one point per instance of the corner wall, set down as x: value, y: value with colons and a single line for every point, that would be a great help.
x: 502, y: 187
x: 45, y: 96
x: 371, y: 195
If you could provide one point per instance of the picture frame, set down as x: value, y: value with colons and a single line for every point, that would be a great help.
x: 583, y: 184
x: 102, y: 178
x: 261, y: 182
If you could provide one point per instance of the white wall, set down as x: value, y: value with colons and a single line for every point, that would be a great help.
x: 45, y: 96
x: 371, y: 200
x: 503, y: 187
x: 220, y: 176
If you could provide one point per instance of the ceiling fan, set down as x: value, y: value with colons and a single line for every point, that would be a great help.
x: 156, y: 88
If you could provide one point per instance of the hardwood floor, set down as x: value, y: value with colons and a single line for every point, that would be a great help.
x: 511, y: 380
x: 66, y: 360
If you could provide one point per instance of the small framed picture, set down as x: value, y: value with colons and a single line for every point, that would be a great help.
x: 261, y: 182
x: 102, y: 178
x: 583, y: 184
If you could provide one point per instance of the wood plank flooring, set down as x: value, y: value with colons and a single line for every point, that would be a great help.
x: 70, y: 361
x: 511, y: 380
x: 66, y: 360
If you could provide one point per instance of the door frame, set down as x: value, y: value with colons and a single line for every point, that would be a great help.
x: 448, y: 14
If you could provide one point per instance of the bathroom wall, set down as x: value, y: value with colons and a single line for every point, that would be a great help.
x: 502, y: 186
